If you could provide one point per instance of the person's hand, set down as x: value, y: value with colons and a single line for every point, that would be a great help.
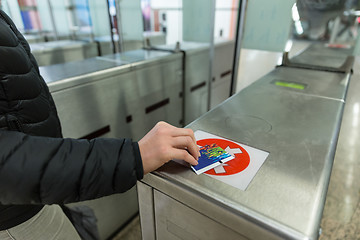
x: 165, y: 142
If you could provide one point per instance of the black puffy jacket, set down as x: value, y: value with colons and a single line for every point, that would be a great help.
x: 37, y: 166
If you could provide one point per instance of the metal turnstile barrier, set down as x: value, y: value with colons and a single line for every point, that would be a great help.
x: 197, y: 75
x: 125, y: 95
x: 116, y: 96
x: 55, y: 52
x: 292, y: 113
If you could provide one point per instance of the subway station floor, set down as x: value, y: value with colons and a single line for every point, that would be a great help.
x: 131, y: 232
x: 341, y: 216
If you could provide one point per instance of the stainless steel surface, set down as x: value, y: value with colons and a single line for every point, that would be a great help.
x: 170, y: 215
x: 156, y: 83
x: 155, y: 38
x: 320, y: 55
x: 88, y: 107
x: 68, y: 75
x: 201, y: 204
x: 146, y: 210
x: 50, y: 46
x: 135, y: 56
x: 73, y: 73
x: 48, y: 53
x: 196, y: 83
x: 81, y: 91
x: 105, y: 43
x: 197, y: 75
x: 298, y: 128
x: 318, y: 84
x: 120, y: 91
x: 130, y: 45
x: 64, y: 71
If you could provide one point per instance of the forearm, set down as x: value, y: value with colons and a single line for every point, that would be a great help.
x: 52, y: 170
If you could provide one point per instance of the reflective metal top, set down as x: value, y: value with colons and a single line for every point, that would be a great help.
x: 193, y: 46
x: 298, y: 128
x: 134, y: 56
x: 321, y: 55
x: 62, y: 71
x: 62, y: 44
x: 65, y: 75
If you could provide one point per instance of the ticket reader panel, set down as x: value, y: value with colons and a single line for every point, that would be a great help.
x: 302, y: 81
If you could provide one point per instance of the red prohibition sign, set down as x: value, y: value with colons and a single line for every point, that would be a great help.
x: 238, y: 164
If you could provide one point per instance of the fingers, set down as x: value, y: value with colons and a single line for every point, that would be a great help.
x: 176, y: 132
x: 185, y: 132
x: 183, y: 154
x: 179, y: 143
x: 186, y: 142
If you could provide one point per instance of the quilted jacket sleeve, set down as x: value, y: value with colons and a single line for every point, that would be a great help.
x: 56, y: 170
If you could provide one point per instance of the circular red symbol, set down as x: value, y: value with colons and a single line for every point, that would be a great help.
x: 236, y: 165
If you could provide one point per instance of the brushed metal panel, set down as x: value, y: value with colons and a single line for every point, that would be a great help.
x: 109, y: 98
x: 72, y: 74
x: 89, y: 107
x: 146, y: 211
x: 176, y: 220
x: 223, y: 58
x: 155, y: 83
x: 220, y: 90
x: 143, y: 122
x: 59, y: 72
x: 240, y: 223
x: 197, y: 72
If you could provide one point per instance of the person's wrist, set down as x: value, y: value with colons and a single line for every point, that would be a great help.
x: 144, y: 158
x: 138, y: 162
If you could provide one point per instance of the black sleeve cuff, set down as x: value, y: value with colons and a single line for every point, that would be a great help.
x: 138, y: 161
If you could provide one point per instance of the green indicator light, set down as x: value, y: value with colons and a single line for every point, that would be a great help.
x: 290, y: 85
